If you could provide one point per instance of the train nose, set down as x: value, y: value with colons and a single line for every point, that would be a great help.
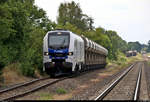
x: 67, y: 64
x: 49, y: 65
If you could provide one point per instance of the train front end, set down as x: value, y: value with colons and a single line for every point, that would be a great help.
x: 56, y: 52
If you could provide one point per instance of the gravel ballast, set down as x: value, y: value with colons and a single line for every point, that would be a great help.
x: 124, y: 90
x: 147, y: 74
x: 143, y: 87
x: 82, y: 87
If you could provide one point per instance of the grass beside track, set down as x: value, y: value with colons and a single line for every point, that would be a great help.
x: 124, y: 61
x: 60, y: 93
x: 45, y: 96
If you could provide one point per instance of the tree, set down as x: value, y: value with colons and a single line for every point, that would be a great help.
x: 148, y: 49
x: 6, y: 31
x: 22, y: 28
x: 72, y: 13
x: 118, y: 44
x: 134, y: 46
x: 114, y: 40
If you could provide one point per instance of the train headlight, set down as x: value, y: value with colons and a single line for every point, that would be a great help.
x: 70, y: 53
x: 46, y: 53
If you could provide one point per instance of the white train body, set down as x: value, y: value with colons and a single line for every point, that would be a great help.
x: 64, y: 51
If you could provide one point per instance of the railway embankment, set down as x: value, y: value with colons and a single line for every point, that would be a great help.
x: 12, y: 76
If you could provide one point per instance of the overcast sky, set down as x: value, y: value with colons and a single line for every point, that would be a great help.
x: 129, y: 18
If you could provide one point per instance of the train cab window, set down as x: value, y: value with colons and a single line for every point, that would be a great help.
x: 58, y: 40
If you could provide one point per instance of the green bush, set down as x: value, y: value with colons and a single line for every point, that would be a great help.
x: 122, y: 59
x: 27, y: 69
x: 61, y: 91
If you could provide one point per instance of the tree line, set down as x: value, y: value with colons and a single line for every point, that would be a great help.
x: 23, y: 26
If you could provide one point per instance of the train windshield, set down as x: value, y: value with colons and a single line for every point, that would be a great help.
x: 57, y: 41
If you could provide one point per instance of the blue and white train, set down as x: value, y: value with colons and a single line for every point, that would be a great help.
x: 64, y: 52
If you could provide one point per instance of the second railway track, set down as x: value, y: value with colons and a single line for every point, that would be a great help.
x: 125, y: 87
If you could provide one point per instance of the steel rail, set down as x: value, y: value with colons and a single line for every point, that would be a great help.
x: 136, y: 93
x: 23, y: 84
x: 35, y: 89
x: 108, y: 89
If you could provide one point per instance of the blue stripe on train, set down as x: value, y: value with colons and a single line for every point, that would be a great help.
x: 63, y: 51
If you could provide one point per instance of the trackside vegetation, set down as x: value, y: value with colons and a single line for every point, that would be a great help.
x: 23, y: 26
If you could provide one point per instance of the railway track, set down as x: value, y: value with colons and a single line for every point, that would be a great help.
x: 31, y: 86
x: 28, y: 87
x: 116, y: 90
x: 22, y: 84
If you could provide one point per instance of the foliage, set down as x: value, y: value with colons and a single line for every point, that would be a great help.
x: 72, y: 13
x: 121, y: 59
x: 22, y: 26
x: 134, y: 46
x: 70, y: 27
x: 117, y: 44
x: 148, y: 48
x: 45, y: 96
x: 61, y: 91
